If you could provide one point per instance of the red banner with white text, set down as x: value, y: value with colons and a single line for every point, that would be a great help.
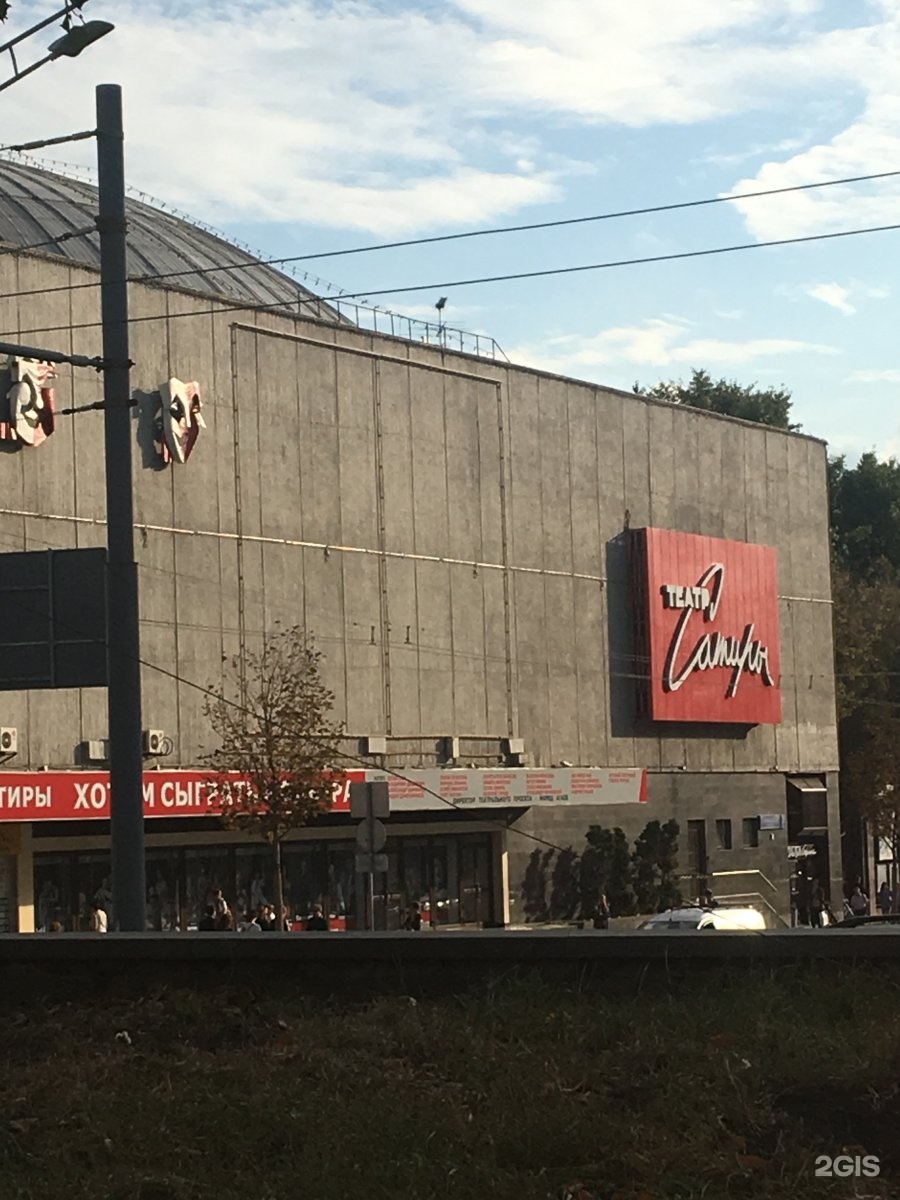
x: 84, y: 795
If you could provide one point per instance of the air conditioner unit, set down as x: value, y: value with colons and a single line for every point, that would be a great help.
x: 9, y: 741
x: 96, y: 751
x: 155, y: 742
x: 374, y: 745
x: 450, y: 749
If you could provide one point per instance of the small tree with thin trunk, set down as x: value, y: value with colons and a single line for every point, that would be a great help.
x: 277, y: 741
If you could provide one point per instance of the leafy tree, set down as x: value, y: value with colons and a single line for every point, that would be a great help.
x: 864, y: 504
x: 274, y: 728
x: 606, y: 867
x: 767, y: 406
x: 872, y: 772
x: 655, y: 860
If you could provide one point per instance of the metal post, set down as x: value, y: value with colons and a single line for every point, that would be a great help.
x: 370, y: 830
x: 124, y: 692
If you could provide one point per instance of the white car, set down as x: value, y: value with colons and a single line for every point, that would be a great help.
x: 721, y: 917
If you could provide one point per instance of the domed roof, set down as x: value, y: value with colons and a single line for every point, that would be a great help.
x: 38, y: 206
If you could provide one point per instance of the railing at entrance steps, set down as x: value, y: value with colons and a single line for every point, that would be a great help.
x: 700, y: 881
x: 731, y: 897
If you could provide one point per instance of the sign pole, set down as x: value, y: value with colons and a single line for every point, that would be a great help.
x: 370, y: 839
x: 124, y: 690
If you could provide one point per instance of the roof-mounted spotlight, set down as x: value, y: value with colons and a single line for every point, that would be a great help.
x: 78, y: 38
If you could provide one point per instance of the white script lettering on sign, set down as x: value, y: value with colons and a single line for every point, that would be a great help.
x: 741, y: 653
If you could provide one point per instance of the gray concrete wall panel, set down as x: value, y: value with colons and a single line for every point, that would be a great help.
x: 591, y: 673
x: 524, y: 492
x: 403, y: 631
x: 435, y: 646
x: 326, y: 617
x: 364, y: 648
x: 470, y: 714
x: 554, y: 482
x: 462, y: 467
x: 495, y: 649
x: 295, y: 435
x: 430, y: 501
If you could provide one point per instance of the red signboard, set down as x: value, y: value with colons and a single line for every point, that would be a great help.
x: 709, y: 634
x: 84, y: 795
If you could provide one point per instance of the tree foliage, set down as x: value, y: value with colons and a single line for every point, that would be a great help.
x: 606, y: 867
x: 274, y: 728
x: 767, y: 406
x: 864, y: 504
x: 642, y: 879
x: 655, y: 861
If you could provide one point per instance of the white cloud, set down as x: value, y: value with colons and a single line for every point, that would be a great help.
x: 658, y: 343
x: 833, y: 295
x: 859, y: 61
x: 872, y: 375
x: 390, y: 119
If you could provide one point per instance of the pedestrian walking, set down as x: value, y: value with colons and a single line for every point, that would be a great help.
x: 885, y: 899
x: 601, y: 912
x: 859, y: 902
x: 413, y: 917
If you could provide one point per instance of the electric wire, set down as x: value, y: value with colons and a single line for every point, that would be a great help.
x: 473, y: 233
x: 286, y: 307
x: 535, y: 225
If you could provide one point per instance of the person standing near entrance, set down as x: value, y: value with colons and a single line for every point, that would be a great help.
x: 97, y: 921
x: 859, y: 902
x: 221, y: 911
x: 816, y: 904
x: 885, y: 899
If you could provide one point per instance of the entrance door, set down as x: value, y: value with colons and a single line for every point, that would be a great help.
x: 474, y: 880
x: 696, y: 848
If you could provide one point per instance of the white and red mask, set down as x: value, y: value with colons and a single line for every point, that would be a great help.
x: 26, y: 411
x: 178, y: 421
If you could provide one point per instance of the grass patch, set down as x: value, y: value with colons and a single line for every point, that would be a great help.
x: 714, y: 1084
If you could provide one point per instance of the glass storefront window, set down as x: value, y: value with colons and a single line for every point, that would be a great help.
x: 163, y: 890
x: 305, y: 877
x: 448, y: 876
x: 254, y: 879
x: 341, y: 883
x: 204, y: 871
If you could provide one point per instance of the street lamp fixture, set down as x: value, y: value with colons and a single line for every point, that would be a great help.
x: 78, y: 38
x: 75, y: 39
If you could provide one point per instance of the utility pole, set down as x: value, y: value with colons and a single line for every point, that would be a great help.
x: 124, y: 691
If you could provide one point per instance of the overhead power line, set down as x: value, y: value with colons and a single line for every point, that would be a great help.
x: 622, y: 262
x: 212, y: 309
x: 489, y: 232
x: 472, y: 233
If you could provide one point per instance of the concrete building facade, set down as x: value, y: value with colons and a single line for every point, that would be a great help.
x: 456, y: 531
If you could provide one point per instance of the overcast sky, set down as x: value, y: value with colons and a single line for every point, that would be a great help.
x: 307, y: 125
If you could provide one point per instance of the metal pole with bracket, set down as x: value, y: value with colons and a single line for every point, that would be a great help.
x: 124, y: 692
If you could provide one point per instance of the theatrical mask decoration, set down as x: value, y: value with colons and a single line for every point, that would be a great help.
x: 26, y: 410
x: 178, y: 420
